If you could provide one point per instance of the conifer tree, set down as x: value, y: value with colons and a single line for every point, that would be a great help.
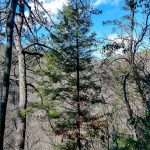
x: 70, y: 81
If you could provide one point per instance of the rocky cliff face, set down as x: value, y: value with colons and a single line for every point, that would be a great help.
x: 37, y: 138
x: 39, y: 135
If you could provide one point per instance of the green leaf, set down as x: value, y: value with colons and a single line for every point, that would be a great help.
x: 53, y: 114
x: 68, y: 11
x: 24, y: 112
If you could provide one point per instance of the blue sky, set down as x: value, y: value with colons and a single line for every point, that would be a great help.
x: 111, y: 10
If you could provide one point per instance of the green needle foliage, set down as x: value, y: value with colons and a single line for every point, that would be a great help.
x: 70, y: 77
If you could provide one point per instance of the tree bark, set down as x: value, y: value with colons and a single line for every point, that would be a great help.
x: 21, y: 122
x: 78, y: 86
x: 7, y: 67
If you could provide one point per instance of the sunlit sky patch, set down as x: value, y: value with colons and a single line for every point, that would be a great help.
x: 111, y: 10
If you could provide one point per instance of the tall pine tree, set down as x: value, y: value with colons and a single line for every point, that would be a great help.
x: 70, y: 78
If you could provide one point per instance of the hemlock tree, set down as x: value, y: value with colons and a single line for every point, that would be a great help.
x: 70, y: 82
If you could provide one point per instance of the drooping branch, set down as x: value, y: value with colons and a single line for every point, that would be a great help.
x: 33, y: 53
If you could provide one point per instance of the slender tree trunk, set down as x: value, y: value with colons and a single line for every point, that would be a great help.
x: 132, y: 50
x: 129, y: 109
x: 7, y: 67
x: 21, y: 122
x: 78, y: 101
x: 78, y: 86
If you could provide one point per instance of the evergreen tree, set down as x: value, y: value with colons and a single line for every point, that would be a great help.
x: 70, y: 81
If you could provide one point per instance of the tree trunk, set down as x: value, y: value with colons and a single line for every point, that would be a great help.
x: 21, y: 122
x: 7, y: 67
x: 78, y: 87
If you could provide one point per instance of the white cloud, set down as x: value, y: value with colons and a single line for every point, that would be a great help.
x: 118, y: 39
x: 100, y: 2
x: 114, y: 38
x: 26, y: 13
x: 49, y: 5
x: 111, y: 2
x: 53, y: 5
x: 115, y: 2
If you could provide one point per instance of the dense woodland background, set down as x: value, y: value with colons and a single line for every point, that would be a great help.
x: 62, y: 88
